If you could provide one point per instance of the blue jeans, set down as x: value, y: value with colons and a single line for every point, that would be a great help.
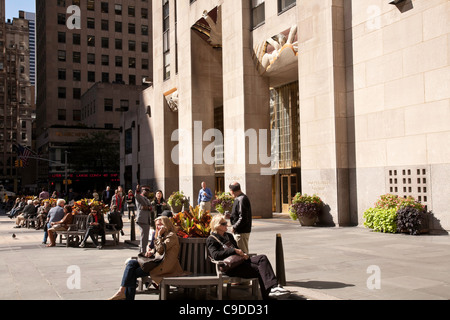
x: 46, y: 233
x: 132, y: 272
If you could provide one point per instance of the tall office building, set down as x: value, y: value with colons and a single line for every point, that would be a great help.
x: 79, y: 44
x: 31, y: 17
x: 16, y: 95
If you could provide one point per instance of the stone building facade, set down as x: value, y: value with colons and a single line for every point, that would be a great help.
x: 346, y: 99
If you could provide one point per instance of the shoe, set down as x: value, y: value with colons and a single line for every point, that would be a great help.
x: 82, y: 245
x: 118, y: 296
x: 279, y: 292
x: 99, y: 247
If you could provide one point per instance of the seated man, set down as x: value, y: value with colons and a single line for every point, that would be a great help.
x: 115, y: 217
x: 28, y: 211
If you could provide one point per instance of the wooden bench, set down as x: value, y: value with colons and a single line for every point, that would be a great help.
x: 205, y: 272
x: 77, y: 230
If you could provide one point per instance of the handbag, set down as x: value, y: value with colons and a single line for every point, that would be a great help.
x: 149, y: 263
x: 229, y: 262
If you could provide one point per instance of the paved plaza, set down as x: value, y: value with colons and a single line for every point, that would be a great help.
x: 320, y: 264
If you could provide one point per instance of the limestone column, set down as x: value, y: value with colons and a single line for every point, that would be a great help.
x: 246, y: 111
x: 323, y: 114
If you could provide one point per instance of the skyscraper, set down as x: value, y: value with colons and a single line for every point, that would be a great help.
x: 80, y: 44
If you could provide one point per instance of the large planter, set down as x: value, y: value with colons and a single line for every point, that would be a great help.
x: 194, y: 256
x: 307, y: 222
x: 176, y: 209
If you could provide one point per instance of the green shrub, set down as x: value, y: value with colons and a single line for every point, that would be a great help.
x: 381, y: 220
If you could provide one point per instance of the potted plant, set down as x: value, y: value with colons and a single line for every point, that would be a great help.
x: 176, y: 201
x: 193, y: 223
x: 223, y: 202
x: 306, y: 209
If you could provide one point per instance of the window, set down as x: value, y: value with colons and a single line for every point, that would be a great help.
x: 144, y: 13
x: 144, y: 46
x: 118, y: 44
x: 61, y: 37
x: 104, y: 7
x: 258, y: 13
x: 76, y: 75
x: 62, y: 19
x: 131, y: 45
x: 144, y: 30
x: 118, y: 61
x: 124, y: 105
x: 76, y: 39
x: 61, y: 92
x: 284, y: 5
x: 128, y: 141
x: 118, y: 26
x: 91, y: 76
x: 166, y: 43
x: 108, y: 103
x: 105, y: 60
x: 131, y: 28
x: 91, y: 23
x: 61, y: 55
x: 145, y: 64
x: 61, y: 74
x: 91, y: 5
x: 118, y: 9
x: 91, y: 41
x: 105, y: 43
x: 62, y: 114
x: 76, y: 116
x: 132, y: 63
x: 91, y: 58
x: 76, y: 57
x: 76, y: 93
x: 105, y: 77
x: 105, y: 25
x: 131, y: 11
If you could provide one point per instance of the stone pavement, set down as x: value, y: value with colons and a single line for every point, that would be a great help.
x: 320, y: 264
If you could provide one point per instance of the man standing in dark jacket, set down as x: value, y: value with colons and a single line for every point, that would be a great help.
x: 241, y: 217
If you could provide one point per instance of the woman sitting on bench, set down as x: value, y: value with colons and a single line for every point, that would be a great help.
x: 221, y: 245
x: 170, y: 267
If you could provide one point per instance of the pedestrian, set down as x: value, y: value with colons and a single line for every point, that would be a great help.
x: 204, y: 197
x: 241, y: 216
x: 159, y: 205
x: 55, y: 214
x: 44, y: 194
x: 107, y: 196
x: 117, y: 200
x: 144, y: 217
x: 130, y: 203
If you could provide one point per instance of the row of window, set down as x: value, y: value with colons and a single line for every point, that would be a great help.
x: 104, y: 7
x: 118, y: 43
x: 118, y: 25
x: 90, y: 59
x: 258, y: 10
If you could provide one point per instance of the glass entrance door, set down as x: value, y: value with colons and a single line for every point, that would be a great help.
x: 288, y: 190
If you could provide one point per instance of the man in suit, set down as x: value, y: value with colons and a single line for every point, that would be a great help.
x: 107, y: 196
x: 144, y: 215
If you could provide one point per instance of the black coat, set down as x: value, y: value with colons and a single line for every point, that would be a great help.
x: 29, y: 211
x: 241, y: 215
x: 215, y: 248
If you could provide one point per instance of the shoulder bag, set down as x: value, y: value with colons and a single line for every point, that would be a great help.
x: 149, y: 263
x: 229, y: 262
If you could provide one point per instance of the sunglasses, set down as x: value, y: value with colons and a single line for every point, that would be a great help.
x: 224, y: 224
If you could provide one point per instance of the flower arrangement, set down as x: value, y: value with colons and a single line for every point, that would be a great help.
x: 84, y: 206
x: 393, y: 214
x: 223, y: 202
x: 304, y: 205
x: 193, y: 224
x: 52, y: 201
x: 176, y: 199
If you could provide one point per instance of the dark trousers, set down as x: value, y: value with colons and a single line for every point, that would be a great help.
x: 257, y: 267
x: 132, y: 272
x: 92, y: 232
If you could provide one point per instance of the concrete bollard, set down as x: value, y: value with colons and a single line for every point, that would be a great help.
x: 280, y: 271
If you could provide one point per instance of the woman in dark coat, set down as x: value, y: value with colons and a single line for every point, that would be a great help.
x: 253, y: 267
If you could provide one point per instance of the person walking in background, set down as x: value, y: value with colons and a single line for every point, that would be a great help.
x: 107, y: 196
x: 241, y: 216
x: 130, y: 203
x: 204, y: 197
